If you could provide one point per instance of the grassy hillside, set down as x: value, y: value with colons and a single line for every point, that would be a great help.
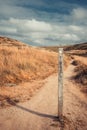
x: 52, y: 48
x: 82, y: 46
x: 20, y: 62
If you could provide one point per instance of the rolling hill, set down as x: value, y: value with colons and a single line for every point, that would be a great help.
x: 20, y: 62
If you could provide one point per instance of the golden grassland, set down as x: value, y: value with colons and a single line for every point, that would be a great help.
x: 23, y: 68
x: 25, y: 64
x: 20, y: 62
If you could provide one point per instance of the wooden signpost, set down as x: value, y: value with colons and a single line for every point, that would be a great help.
x: 60, y: 83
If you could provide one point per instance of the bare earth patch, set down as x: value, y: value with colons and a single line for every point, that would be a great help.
x: 19, y: 93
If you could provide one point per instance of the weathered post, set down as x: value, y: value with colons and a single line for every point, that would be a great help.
x: 60, y: 84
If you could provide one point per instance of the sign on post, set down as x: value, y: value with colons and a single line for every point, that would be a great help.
x: 60, y: 83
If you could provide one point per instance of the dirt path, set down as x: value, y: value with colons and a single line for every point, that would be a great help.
x: 40, y: 112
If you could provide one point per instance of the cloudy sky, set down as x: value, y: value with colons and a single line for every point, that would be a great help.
x: 44, y: 22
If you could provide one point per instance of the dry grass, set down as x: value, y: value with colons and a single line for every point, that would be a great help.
x: 25, y: 64
x: 81, y: 70
x: 66, y: 57
x: 20, y: 63
x: 81, y: 46
x: 80, y: 76
x: 19, y: 93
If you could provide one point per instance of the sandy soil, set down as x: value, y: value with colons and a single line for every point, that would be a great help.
x: 81, y: 59
x: 40, y: 112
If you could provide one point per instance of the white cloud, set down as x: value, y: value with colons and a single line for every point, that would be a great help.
x: 8, y: 30
x: 27, y: 25
x: 71, y: 37
x: 41, y: 32
x: 75, y: 28
x: 30, y: 25
x: 79, y: 13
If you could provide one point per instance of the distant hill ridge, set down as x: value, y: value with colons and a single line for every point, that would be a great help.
x: 81, y: 46
x: 5, y: 41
